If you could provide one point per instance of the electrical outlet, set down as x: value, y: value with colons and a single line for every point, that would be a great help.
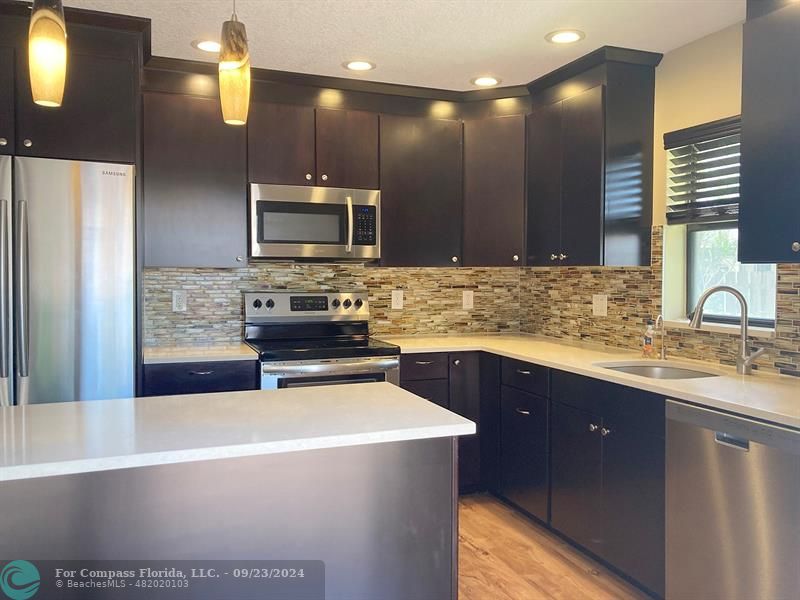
x: 397, y: 299
x: 467, y: 299
x: 600, y: 305
x: 179, y: 300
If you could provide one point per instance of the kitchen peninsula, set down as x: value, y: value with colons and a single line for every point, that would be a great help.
x: 359, y: 476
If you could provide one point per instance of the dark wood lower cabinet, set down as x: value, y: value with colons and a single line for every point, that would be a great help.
x: 523, y: 451
x: 168, y: 379
x: 435, y: 390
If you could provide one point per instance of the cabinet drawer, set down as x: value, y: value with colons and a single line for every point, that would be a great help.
x: 424, y: 366
x: 527, y: 377
x: 200, y: 378
x: 435, y: 390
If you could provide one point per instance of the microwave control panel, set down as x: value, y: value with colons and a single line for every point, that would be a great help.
x: 365, y: 226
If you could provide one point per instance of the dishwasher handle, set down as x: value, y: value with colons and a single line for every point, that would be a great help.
x: 732, y: 441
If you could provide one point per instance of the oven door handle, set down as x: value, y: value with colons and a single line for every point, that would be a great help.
x: 363, y: 366
x: 350, y: 225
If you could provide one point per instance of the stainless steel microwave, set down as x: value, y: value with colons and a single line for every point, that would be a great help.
x: 307, y: 222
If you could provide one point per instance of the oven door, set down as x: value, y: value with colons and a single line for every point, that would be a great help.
x: 307, y: 373
x: 314, y: 222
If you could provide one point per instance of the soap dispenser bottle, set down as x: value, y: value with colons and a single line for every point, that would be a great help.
x: 647, y: 340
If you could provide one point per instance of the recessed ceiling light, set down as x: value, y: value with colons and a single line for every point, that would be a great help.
x: 485, y: 81
x: 206, y: 46
x: 565, y: 36
x: 358, y: 65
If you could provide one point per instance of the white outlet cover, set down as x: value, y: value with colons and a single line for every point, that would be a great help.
x: 467, y: 299
x: 397, y: 299
x: 600, y: 305
x: 179, y: 300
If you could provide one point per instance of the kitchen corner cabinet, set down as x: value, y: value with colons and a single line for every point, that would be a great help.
x: 607, y: 473
x: 299, y: 145
x: 494, y: 191
x: 6, y: 100
x: 769, y: 217
x: 421, y: 195
x: 195, y: 184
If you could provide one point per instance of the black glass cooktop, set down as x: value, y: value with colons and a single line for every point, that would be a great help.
x: 321, y: 348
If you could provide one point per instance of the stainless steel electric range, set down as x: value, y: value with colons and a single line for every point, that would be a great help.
x: 308, y: 339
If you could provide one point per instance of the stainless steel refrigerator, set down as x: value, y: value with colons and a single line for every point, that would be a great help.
x: 67, y: 264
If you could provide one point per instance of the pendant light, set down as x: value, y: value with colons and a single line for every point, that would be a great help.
x: 47, y: 52
x: 234, y: 71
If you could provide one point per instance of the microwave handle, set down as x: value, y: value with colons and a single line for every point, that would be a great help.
x: 349, y: 247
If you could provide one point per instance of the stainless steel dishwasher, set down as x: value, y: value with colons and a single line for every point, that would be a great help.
x: 733, y: 507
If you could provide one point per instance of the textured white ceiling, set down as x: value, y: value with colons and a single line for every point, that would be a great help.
x: 432, y: 43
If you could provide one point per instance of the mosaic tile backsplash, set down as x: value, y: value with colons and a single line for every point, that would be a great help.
x: 552, y: 301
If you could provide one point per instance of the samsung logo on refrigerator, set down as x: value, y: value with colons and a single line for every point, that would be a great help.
x: 115, y: 173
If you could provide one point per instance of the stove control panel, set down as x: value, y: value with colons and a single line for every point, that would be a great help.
x: 287, y: 306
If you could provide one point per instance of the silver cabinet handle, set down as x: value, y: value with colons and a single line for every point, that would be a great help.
x: 201, y: 372
x: 553, y: 256
x: 239, y: 259
x: 457, y: 362
x: 27, y: 143
x: 604, y: 431
x: 795, y: 246
x: 523, y: 372
x: 522, y: 411
x: 324, y: 177
x: 562, y: 256
x: 350, y: 225
x: 21, y: 287
x: 308, y: 176
x: 592, y: 427
x: 515, y: 258
x: 3, y: 142
x: 423, y: 363
x: 454, y: 259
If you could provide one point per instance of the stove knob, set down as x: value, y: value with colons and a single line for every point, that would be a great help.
x: 270, y: 304
x: 359, y: 303
x: 257, y: 304
x: 347, y: 304
x: 335, y: 303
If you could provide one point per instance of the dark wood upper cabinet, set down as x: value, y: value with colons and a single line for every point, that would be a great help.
x: 494, y: 191
x: 582, y: 189
x: 590, y: 159
x: 6, y: 100
x: 769, y: 217
x: 195, y: 184
x: 544, y: 185
x: 421, y: 195
x: 280, y: 140
x: 97, y: 119
x: 347, y: 149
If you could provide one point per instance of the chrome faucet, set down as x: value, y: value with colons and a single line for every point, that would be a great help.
x: 662, y: 333
x: 744, y: 362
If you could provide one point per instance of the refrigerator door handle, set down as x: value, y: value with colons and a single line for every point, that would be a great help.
x: 21, y: 291
x: 5, y: 392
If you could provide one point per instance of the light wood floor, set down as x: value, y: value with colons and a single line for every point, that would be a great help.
x: 504, y: 556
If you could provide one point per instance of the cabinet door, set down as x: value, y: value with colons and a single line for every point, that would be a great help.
x: 634, y: 502
x: 347, y: 149
x: 97, y: 119
x: 434, y: 390
x: 200, y: 378
x: 576, y: 476
x: 465, y: 400
x: 195, y: 190
x: 6, y: 100
x: 523, y: 451
x: 494, y: 191
x: 544, y: 185
x: 582, y: 179
x: 420, y: 192
x: 769, y: 217
x: 280, y: 141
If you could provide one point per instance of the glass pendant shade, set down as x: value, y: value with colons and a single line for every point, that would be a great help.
x: 47, y: 52
x: 234, y: 72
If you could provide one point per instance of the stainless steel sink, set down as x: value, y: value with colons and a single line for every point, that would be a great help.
x: 658, y: 369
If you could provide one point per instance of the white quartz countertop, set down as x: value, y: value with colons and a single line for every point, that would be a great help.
x: 213, y: 353
x: 774, y: 398
x: 78, y: 437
